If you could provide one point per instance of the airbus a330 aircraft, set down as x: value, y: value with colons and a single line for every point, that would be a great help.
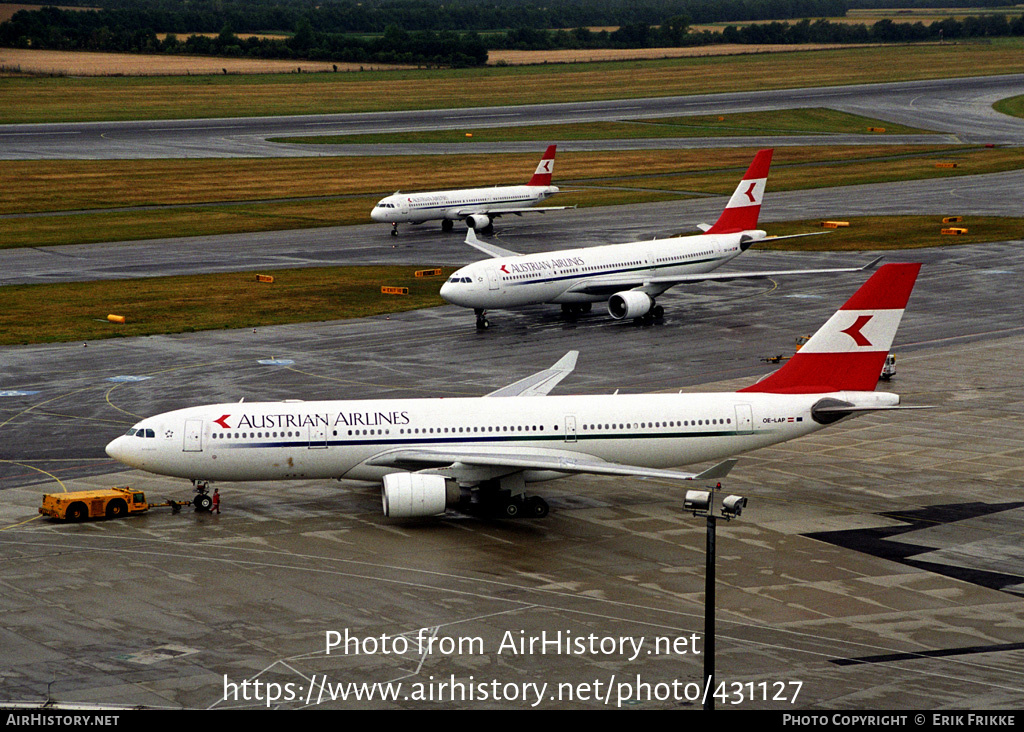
x: 435, y: 453
x: 629, y: 276
x: 478, y: 207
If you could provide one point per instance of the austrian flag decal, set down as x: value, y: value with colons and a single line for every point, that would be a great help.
x: 854, y: 330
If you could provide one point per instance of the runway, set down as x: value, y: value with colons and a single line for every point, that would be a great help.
x: 877, y: 566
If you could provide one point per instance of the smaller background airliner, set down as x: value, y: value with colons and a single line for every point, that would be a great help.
x: 478, y: 207
x: 628, y: 276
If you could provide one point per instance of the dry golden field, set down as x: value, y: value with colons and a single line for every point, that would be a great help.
x: 86, y: 63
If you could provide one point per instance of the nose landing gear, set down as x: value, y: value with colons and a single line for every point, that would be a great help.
x: 482, y: 323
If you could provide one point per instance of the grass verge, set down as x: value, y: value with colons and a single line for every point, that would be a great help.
x: 813, y: 121
x: 1014, y: 106
x: 78, y: 311
x: 871, y: 233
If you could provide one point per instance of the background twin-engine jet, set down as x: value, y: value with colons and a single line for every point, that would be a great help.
x: 628, y: 276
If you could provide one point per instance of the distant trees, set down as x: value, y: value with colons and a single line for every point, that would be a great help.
x: 111, y: 31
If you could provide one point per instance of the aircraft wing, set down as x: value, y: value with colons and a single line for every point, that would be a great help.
x: 499, y: 462
x: 496, y: 212
x: 541, y: 382
x: 610, y: 285
x: 490, y: 250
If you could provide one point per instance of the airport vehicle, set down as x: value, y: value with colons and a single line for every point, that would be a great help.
x: 100, y: 502
x: 480, y: 453
x: 889, y: 369
x: 478, y: 207
x: 628, y: 276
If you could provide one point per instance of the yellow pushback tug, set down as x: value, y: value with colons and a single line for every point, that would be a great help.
x: 100, y: 503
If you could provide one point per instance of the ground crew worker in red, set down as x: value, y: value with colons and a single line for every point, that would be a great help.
x: 215, y: 507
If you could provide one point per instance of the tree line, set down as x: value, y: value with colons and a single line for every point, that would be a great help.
x: 374, y: 16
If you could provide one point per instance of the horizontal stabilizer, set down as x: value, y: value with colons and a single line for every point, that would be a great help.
x: 489, y: 249
x: 717, y: 472
x: 541, y: 382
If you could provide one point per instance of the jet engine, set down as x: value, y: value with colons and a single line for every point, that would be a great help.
x: 478, y: 221
x: 406, y: 495
x: 630, y: 304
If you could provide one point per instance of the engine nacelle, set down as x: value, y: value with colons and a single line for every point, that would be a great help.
x: 407, y: 495
x: 629, y: 304
x: 478, y: 221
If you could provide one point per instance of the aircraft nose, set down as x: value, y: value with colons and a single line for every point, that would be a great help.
x: 120, y: 449
x: 375, y: 213
x: 115, y: 448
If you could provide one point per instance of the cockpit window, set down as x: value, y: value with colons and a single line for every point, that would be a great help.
x: 130, y: 432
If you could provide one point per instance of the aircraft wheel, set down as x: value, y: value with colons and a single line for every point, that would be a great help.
x: 447, y: 225
x: 202, y: 502
x: 536, y: 507
x: 483, y: 324
x: 658, y: 312
x: 511, y: 509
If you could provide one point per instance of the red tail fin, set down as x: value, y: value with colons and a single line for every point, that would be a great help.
x: 848, y: 352
x: 542, y: 176
x: 741, y: 212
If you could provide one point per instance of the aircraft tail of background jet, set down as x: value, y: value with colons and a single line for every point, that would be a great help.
x: 744, y: 207
x: 546, y: 166
x: 848, y: 352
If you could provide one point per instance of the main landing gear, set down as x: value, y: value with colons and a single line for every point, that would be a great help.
x: 575, y: 309
x: 447, y: 225
x: 394, y: 229
x: 482, y: 323
x: 501, y: 504
x: 654, y: 315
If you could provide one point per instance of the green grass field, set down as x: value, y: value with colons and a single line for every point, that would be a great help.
x: 1013, y: 106
x: 153, y: 305
x: 783, y: 122
x: 893, y: 233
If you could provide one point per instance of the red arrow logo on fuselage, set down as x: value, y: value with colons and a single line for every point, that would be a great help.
x: 854, y: 330
x: 222, y: 421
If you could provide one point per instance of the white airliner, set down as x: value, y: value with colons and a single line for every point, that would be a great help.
x: 479, y: 453
x: 629, y: 276
x: 478, y: 207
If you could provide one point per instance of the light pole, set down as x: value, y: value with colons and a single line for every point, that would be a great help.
x: 702, y: 503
